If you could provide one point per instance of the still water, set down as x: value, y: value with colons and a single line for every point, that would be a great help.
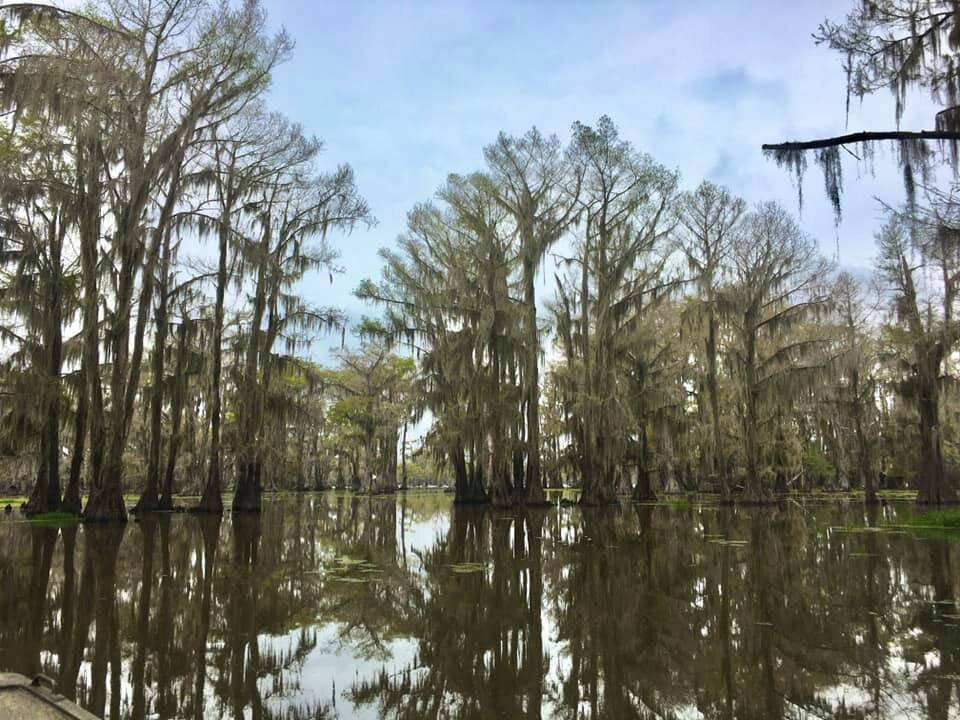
x: 331, y: 606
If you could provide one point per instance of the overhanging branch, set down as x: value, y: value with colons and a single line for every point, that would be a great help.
x: 853, y: 138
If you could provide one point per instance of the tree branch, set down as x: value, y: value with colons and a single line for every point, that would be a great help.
x: 853, y: 138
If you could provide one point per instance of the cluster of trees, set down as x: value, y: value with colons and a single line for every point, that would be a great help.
x: 129, y: 129
x: 696, y: 342
x: 370, y: 406
x: 689, y: 341
x: 700, y: 340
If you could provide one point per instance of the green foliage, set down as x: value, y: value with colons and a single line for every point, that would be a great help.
x: 817, y: 464
x: 948, y: 520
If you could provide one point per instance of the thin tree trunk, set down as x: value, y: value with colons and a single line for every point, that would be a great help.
x: 403, y: 458
x: 211, y: 500
x: 176, y: 416
x: 930, y: 480
x: 71, y: 496
x: 534, y: 484
x: 46, y: 491
x: 643, y: 491
x: 754, y: 492
x: 89, y: 201
x: 719, y: 466
x: 149, y: 499
x: 246, y: 497
x: 468, y: 486
x: 864, y: 466
x: 105, y: 501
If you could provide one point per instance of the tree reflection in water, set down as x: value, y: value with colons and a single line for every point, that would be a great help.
x: 405, y: 607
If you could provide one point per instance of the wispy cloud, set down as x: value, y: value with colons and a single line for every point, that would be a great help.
x: 730, y: 86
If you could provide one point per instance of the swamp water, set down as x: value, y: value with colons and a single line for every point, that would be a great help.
x: 337, y: 606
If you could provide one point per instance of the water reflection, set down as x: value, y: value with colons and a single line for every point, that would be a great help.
x: 339, y: 606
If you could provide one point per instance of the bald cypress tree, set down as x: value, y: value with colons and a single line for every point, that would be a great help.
x: 38, y: 282
x: 618, y: 279
x: 776, y: 287
x: 449, y: 295
x: 710, y: 218
x: 855, y: 389
x: 912, y: 250
x: 296, y: 209
x: 530, y: 179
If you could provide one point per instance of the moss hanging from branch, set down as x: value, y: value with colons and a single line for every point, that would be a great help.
x: 914, y: 156
x: 793, y: 159
x: 896, y: 46
x: 829, y: 161
x: 828, y: 158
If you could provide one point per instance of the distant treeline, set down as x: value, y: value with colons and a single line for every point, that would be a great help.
x: 691, y: 342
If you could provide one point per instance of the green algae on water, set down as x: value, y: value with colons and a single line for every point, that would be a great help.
x: 57, y: 518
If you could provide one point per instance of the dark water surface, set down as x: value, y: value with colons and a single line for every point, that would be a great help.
x: 340, y: 606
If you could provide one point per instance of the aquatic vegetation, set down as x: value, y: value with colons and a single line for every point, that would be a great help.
x: 55, y: 519
x: 945, y: 521
x: 729, y: 543
x: 675, y: 503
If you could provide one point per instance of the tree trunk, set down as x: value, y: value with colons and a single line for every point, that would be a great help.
x: 643, y: 491
x: 931, y: 488
x: 71, y: 496
x: 46, y: 491
x: 467, y: 489
x: 719, y: 466
x: 246, y: 497
x: 106, y: 491
x: 601, y: 489
x: 864, y: 466
x: 534, y: 484
x: 403, y: 458
x: 149, y: 499
x: 176, y: 416
x: 211, y: 500
x: 754, y: 492
x: 90, y: 192
x: 105, y: 501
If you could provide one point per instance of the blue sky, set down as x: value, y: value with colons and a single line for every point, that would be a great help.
x: 407, y: 92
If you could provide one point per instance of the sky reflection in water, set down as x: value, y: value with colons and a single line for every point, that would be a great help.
x: 333, y: 606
